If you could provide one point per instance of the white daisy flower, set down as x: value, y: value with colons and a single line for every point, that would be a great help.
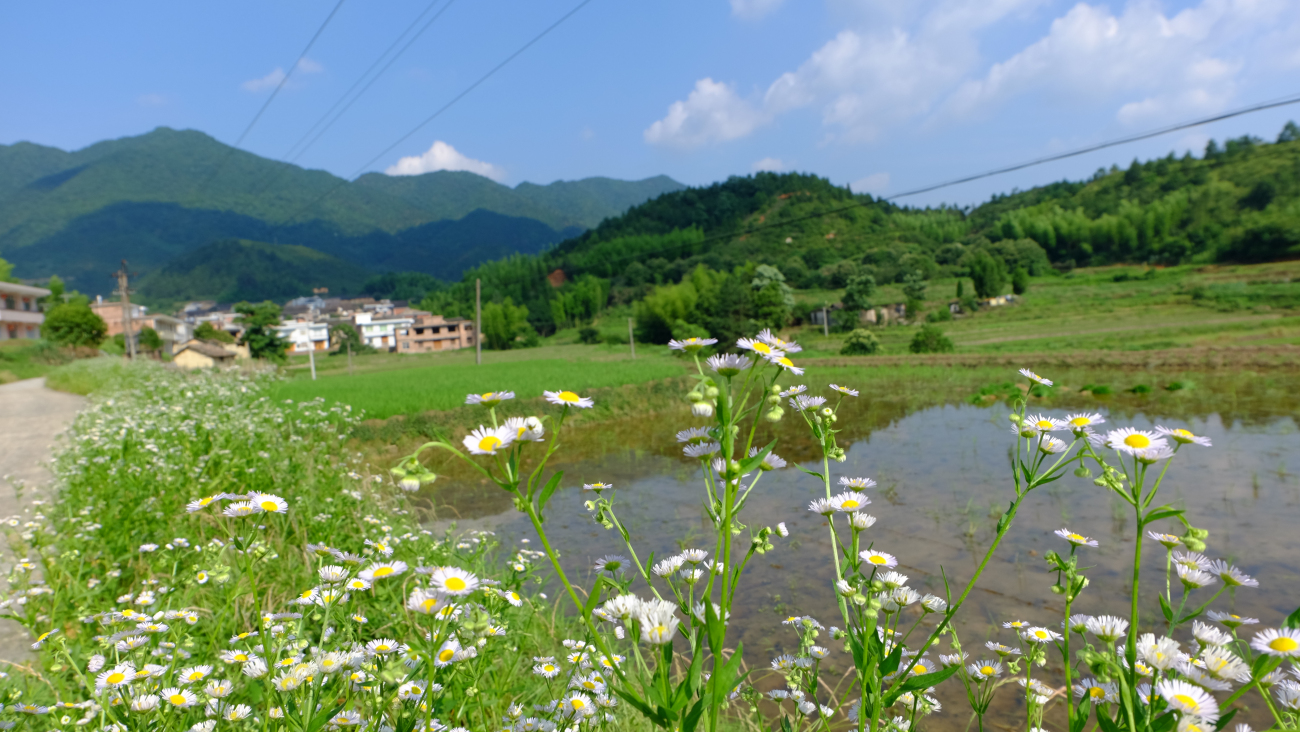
x: 382, y: 570
x: 850, y: 501
x: 1153, y: 455
x: 1183, y: 436
x: 694, y: 435
x: 1031, y: 375
x: 793, y: 391
x: 384, y: 646
x: 568, y: 399
x: 1284, y: 642
x: 1189, y: 699
x: 803, y: 402
x: 823, y: 506
x: 857, y: 483
x: 1131, y: 440
x: 878, y: 559
x: 269, y: 503
x: 1230, y: 575
x: 728, y: 364
x: 1044, y: 423
x: 701, y: 450
x: 1052, y: 445
x: 1230, y: 620
x: 844, y: 390
x: 785, y: 363
x: 487, y: 440
x: 489, y: 399
x: 691, y: 345
x: 1040, y: 635
x: 861, y: 521
x: 765, y: 335
x: 1076, y: 539
x: 1193, y: 578
x: 1161, y: 653
x: 1168, y: 540
x: 1107, y: 628
x: 179, y: 698
x: 525, y: 429
x: 1080, y: 421
x: 985, y: 670
x: 759, y: 347
x: 453, y: 581
x: 240, y: 509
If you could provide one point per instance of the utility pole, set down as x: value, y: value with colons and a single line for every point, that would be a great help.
x: 631, y: 341
x: 478, y: 322
x: 826, y: 324
x: 124, y: 293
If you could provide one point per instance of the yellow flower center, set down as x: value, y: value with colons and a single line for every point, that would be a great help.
x: 383, y: 647
x: 206, y: 501
x: 850, y: 503
x: 761, y: 348
x: 1183, y: 433
x: 270, y: 506
x: 177, y: 699
x: 1096, y: 692
x: 487, y: 397
x: 1081, y: 421
x: 197, y: 675
x: 986, y: 670
x: 489, y: 443
x: 1187, y: 702
x: 877, y: 559
x: 588, y: 685
x: 1138, y: 442
x: 568, y: 396
x: 1043, y: 424
x: 455, y: 584
x: 1284, y: 644
x: 514, y: 596
x: 785, y: 361
x: 445, y: 655
x: 1040, y: 633
x: 920, y: 669
x: 383, y: 571
x: 240, y: 657
x: 577, y: 704
x: 1076, y: 537
x: 116, y: 677
x: 428, y: 605
x: 548, y: 668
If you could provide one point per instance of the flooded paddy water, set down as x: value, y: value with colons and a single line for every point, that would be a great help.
x: 943, y: 479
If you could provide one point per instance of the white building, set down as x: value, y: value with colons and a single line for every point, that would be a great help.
x: 381, y: 332
x: 304, y: 336
x: 20, y: 311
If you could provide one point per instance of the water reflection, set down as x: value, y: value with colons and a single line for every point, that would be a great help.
x: 943, y: 475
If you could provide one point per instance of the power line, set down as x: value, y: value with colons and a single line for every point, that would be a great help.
x: 283, y: 80
x: 442, y: 109
x: 373, y: 79
x: 292, y: 156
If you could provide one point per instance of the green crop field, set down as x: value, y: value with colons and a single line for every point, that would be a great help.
x: 411, y: 390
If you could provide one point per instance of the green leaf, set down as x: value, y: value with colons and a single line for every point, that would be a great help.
x: 716, y: 628
x: 1081, y: 715
x: 1164, y: 722
x: 749, y: 463
x: 813, y: 473
x: 642, y: 707
x: 919, y: 682
x: 1107, y: 724
x: 320, y: 720
x: 1292, y: 620
x: 593, y: 598
x: 1224, y: 720
x: 692, y: 717
x: 548, y: 490
x: 890, y: 664
x: 1163, y: 512
x: 1166, y: 610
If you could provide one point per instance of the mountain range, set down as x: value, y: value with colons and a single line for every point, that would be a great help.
x: 156, y: 197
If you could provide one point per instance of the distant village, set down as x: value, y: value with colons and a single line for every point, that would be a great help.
x: 307, y: 324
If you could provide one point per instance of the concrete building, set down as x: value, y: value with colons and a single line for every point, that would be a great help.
x: 304, y: 335
x: 20, y: 311
x: 379, y: 331
x: 429, y: 333
x: 172, y: 331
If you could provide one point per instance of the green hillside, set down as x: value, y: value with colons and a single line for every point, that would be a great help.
x: 157, y: 196
x: 232, y: 270
x: 1239, y: 202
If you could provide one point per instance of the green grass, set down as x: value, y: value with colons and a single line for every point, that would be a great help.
x: 421, y: 388
x: 24, y: 359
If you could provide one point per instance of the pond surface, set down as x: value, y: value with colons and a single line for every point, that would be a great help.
x: 943, y: 479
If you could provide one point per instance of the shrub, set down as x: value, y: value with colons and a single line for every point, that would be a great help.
x: 942, y: 315
x: 929, y: 339
x: 588, y: 335
x: 74, y: 324
x: 861, y: 342
x: 988, y: 274
x: 1020, y: 281
x: 208, y: 332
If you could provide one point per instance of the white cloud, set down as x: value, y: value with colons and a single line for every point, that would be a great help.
x: 713, y: 112
x: 1156, y: 68
x: 770, y: 165
x: 875, y: 183
x: 270, y: 81
x: 753, y: 9
x: 442, y: 156
x: 273, y: 79
x: 905, y: 65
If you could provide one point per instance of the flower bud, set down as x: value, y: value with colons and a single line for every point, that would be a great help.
x: 695, y: 396
x: 1015, y: 418
x: 774, y: 414
x: 845, y: 589
x: 774, y: 399
x: 702, y: 409
x: 1082, y: 472
x: 711, y: 392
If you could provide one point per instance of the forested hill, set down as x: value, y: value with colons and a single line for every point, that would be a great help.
x: 1240, y: 201
x: 158, y: 196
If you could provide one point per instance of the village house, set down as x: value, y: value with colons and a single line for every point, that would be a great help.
x: 20, y: 311
x: 172, y: 331
x: 430, y: 333
x: 380, y: 331
x: 198, y: 354
x: 304, y: 335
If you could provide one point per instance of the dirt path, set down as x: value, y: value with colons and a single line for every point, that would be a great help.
x: 31, y: 416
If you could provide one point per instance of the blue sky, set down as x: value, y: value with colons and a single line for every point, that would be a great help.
x: 884, y: 95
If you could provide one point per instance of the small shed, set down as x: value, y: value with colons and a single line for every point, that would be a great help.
x: 202, y: 355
